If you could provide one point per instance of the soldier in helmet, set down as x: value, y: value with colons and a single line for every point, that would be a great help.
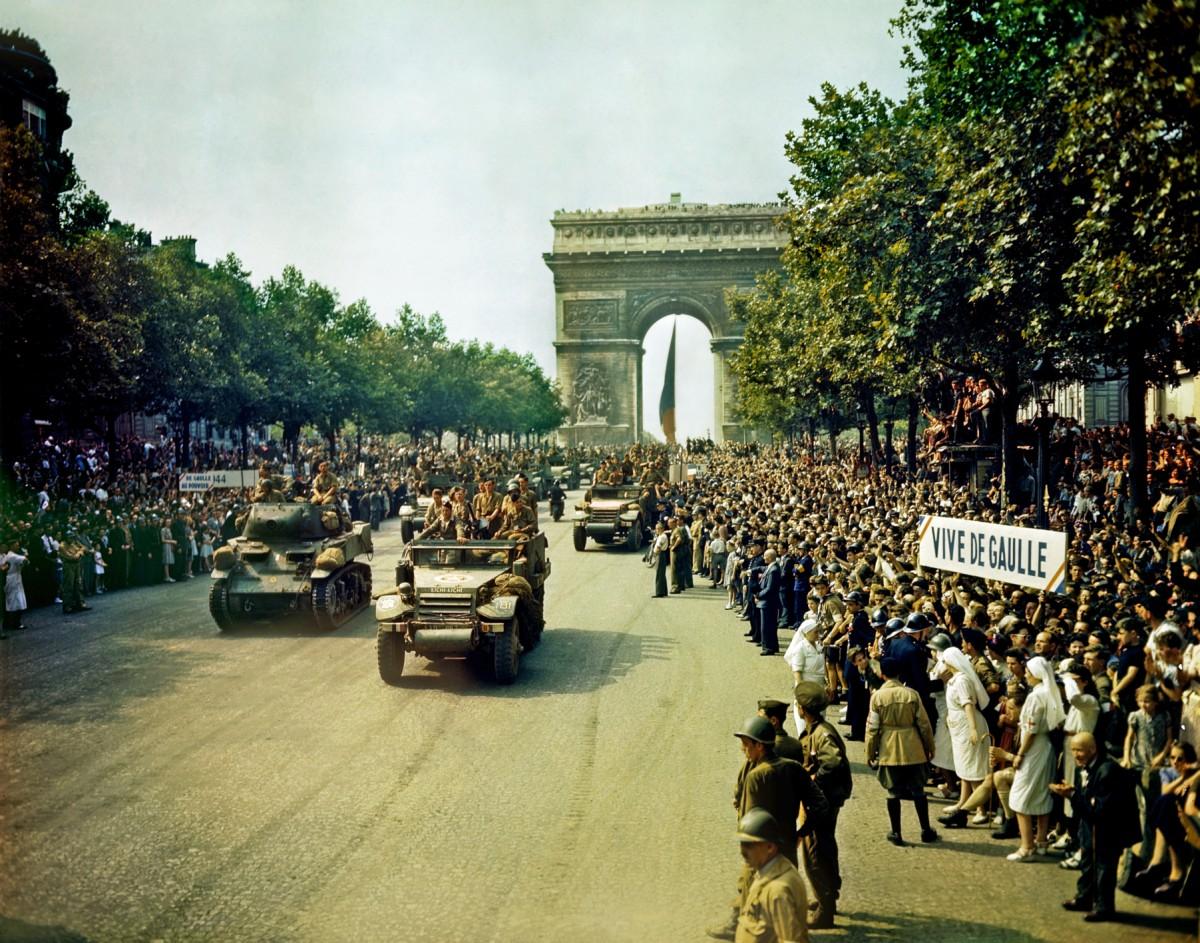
x: 773, y: 910
x: 518, y: 521
x: 780, y: 786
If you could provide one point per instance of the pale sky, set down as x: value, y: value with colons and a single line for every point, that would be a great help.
x: 414, y: 152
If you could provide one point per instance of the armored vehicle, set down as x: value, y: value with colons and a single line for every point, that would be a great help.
x: 610, y: 514
x: 292, y: 557
x: 569, y: 475
x: 481, y: 599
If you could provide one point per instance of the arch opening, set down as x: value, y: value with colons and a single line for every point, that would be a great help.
x: 695, y: 384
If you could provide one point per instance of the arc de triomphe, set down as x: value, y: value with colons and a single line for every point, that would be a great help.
x: 617, y: 272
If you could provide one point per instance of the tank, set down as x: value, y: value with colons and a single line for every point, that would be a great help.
x: 292, y: 558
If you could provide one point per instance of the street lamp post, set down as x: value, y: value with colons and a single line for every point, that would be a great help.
x: 1043, y: 377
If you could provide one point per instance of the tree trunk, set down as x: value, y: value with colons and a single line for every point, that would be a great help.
x: 242, y: 434
x: 331, y: 438
x: 185, y: 437
x: 1136, y: 391
x: 358, y: 443
x: 833, y: 434
x: 1009, y: 458
x: 910, y: 438
x: 868, y: 405
x: 110, y: 437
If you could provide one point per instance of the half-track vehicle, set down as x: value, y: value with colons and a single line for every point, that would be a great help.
x: 610, y: 514
x: 412, y: 514
x: 481, y: 599
x: 569, y: 475
x: 292, y: 557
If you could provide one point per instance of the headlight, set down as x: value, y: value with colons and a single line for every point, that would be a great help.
x: 388, y: 603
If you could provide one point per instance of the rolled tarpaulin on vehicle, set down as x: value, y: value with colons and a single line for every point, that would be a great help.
x: 442, y: 640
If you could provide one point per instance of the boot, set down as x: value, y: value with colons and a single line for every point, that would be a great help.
x: 956, y: 819
x: 726, y: 930
x: 1006, y: 831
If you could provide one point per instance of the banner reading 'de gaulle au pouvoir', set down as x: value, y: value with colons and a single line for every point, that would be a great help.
x: 1021, y: 555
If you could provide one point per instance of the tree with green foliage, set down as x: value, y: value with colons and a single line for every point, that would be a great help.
x: 1132, y: 141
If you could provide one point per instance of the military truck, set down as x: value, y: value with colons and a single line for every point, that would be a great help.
x: 610, y: 514
x: 292, y: 557
x: 481, y: 599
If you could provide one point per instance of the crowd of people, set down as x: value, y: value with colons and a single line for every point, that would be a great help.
x: 1065, y: 723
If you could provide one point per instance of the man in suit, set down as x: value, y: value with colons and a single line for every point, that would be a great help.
x: 754, y: 571
x: 767, y: 600
x: 1106, y: 809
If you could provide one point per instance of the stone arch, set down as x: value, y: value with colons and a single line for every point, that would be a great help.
x: 617, y: 273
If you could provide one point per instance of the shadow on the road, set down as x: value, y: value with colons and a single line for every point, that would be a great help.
x: 13, y: 930
x: 297, y: 626
x: 569, y: 661
x: 869, y: 927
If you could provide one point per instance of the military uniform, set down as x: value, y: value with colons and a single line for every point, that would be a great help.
x: 825, y: 760
x: 268, y: 490
x: 679, y: 561
x: 325, y: 488
x: 70, y: 552
x: 485, y: 506
x: 774, y: 908
x: 518, y: 522
x: 444, y: 528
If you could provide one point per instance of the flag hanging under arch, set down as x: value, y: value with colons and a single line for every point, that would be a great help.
x: 666, y: 402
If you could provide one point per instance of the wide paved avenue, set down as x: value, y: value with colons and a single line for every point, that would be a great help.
x: 162, y: 781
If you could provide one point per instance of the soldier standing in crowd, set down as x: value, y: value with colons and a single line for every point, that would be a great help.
x: 826, y: 762
x: 786, y: 746
x: 773, y: 910
x: 71, y: 553
x: 679, y: 558
x: 660, y: 556
x: 779, y: 786
x: 697, y: 534
x: 754, y: 570
x: 899, y: 744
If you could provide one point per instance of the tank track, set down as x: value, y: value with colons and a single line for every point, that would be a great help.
x: 340, y: 597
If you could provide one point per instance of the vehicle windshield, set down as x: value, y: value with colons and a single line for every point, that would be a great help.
x: 601, y: 493
x: 448, y: 553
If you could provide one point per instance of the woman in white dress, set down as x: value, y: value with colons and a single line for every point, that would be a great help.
x: 12, y: 561
x: 1034, y: 763
x: 966, y: 697
x: 943, y: 745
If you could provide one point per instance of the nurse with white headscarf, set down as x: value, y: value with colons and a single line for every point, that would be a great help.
x: 1034, y: 763
x: 966, y: 698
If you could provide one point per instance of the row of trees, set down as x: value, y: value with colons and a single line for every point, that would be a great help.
x: 1035, y: 195
x: 97, y: 322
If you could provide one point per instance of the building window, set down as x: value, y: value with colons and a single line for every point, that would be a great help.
x: 34, y: 118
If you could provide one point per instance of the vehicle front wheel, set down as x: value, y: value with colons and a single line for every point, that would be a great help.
x: 389, y: 652
x: 633, y: 539
x: 580, y: 537
x: 506, y: 654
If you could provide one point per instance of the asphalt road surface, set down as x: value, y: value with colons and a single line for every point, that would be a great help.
x: 162, y: 781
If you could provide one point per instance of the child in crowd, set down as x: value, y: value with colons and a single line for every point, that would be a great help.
x: 1147, y: 745
x: 99, y: 571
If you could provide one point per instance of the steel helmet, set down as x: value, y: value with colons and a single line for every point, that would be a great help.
x: 759, y: 825
x: 916, y: 622
x: 879, y: 617
x: 758, y: 729
x: 894, y: 626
